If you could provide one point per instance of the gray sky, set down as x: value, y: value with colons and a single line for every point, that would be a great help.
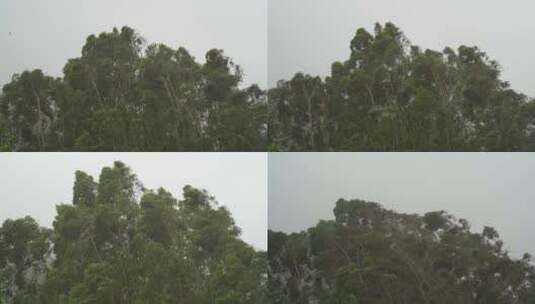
x: 33, y: 183
x: 44, y: 34
x: 308, y: 35
x: 493, y: 189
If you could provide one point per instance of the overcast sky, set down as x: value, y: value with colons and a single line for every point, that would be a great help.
x: 33, y: 183
x: 44, y: 34
x: 493, y: 189
x: 308, y: 35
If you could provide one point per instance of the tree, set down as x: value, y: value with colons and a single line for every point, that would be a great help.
x: 28, y: 106
x: 122, y: 96
x: 24, y: 254
x: 390, y: 95
x: 115, y: 246
x: 372, y: 255
x: 84, y: 190
x: 6, y: 136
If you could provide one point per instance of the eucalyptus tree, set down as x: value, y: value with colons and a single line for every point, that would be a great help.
x: 24, y: 257
x: 119, y: 242
x: 29, y: 108
x: 124, y: 95
x: 372, y: 255
x: 390, y: 95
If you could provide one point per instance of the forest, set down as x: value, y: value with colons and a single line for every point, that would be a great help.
x: 122, y: 95
x: 121, y: 243
x: 372, y: 255
x: 390, y: 95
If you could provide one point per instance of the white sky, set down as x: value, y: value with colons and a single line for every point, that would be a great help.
x: 33, y: 183
x: 493, y: 189
x: 44, y: 34
x: 308, y: 35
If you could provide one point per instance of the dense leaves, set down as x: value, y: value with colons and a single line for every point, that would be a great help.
x: 120, y: 243
x: 372, y: 255
x: 389, y: 95
x: 393, y: 96
x: 24, y: 247
x: 122, y: 96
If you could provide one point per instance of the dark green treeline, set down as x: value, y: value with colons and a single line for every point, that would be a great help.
x: 388, y: 95
x: 117, y: 98
x: 371, y: 255
x: 120, y: 243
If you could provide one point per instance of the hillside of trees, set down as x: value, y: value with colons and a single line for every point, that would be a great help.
x: 120, y: 243
x: 390, y: 95
x: 121, y: 95
x: 376, y: 256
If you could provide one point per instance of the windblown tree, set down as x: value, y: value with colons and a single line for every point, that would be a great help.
x: 372, y: 255
x: 393, y: 96
x: 24, y: 248
x: 122, y: 96
x: 28, y: 110
x: 121, y: 243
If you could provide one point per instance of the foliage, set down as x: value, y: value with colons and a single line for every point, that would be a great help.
x: 23, y: 249
x: 393, y: 96
x: 122, y: 96
x: 372, y: 255
x: 121, y: 243
x: 389, y: 95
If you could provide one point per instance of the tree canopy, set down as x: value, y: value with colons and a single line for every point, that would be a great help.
x: 372, y: 255
x: 120, y: 243
x: 390, y: 95
x: 121, y: 95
